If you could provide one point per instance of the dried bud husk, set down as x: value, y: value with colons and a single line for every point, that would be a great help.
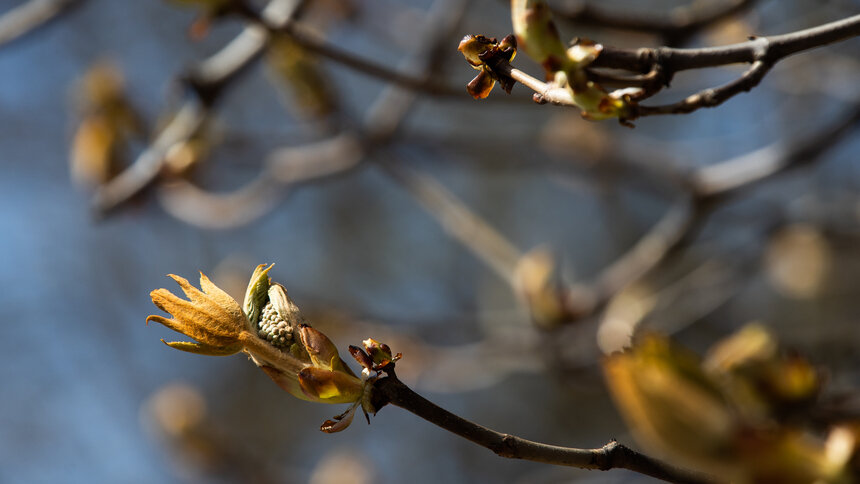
x: 485, y: 54
x: 211, y: 317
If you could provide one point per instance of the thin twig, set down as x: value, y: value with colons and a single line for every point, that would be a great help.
x: 712, y: 97
x: 611, y: 456
x: 25, y: 18
x: 777, y: 47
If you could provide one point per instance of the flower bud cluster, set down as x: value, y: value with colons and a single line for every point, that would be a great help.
x: 274, y: 329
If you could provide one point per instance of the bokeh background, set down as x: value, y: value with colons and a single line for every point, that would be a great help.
x: 89, y: 394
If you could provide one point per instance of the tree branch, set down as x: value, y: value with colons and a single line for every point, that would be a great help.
x: 611, y: 456
x: 776, y: 47
x: 662, y: 63
x: 712, y: 97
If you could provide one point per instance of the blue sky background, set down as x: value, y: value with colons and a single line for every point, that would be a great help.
x: 78, y: 364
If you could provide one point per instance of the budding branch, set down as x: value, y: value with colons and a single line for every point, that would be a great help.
x: 613, y: 455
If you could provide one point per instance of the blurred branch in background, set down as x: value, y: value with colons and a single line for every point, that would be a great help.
x: 287, y: 167
x: 714, y: 226
x: 207, y: 80
x: 21, y: 20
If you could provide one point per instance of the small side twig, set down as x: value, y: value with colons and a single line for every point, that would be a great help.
x: 712, y: 97
x: 611, y: 456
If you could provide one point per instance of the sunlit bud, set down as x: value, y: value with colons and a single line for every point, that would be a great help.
x: 379, y: 353
x: 300, y: 359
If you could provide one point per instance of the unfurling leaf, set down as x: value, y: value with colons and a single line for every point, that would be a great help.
x: 108, y: 122
x: 737, y: 415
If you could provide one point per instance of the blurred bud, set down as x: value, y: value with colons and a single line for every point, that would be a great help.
x: 108, y: 122
x: 725, y: 416
x: 764, y: 384
x: 539, y: 284
x: 176, y: 409
x: 842, y: 449
x: 339, y: 466
x: 753, y: 343
x: 797, y: 261
x: 185, y: 155
x: 671, y: 404
x: 95, y: 152
x: 565, y: 133
x: 177, y: 416
x: 791, y: 456
x: 294, y: 68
